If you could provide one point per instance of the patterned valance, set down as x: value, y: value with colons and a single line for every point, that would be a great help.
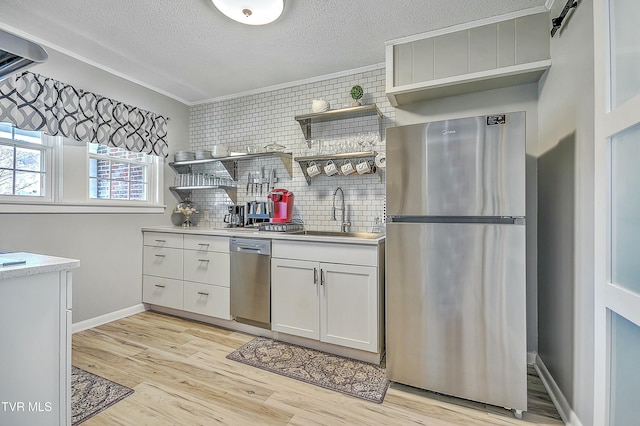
x: 33, y: 102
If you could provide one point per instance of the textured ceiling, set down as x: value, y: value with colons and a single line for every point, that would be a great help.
x: 189, y: 50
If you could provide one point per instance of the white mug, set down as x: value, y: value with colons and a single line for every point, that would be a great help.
x: 363, y: 167
x: 347, y: 168
x: 330, y: 168
x: 313, y: 169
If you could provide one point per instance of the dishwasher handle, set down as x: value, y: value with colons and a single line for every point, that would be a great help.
x: 250, y: 246
x: 252, y: 250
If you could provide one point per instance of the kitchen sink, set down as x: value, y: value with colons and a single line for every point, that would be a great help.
x: 343, y: 234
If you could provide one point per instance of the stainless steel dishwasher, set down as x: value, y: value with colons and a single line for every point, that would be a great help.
x: 251, y: 281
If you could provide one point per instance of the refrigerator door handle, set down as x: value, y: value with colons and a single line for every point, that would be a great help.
x: 498, y: 220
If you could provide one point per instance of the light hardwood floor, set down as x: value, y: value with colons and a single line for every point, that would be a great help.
x: 180, y: 376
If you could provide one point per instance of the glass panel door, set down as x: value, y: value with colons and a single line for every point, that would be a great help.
x: 625, y: 374
x: 617, y: 211
x: 625, y: 50
x: 625, y: 209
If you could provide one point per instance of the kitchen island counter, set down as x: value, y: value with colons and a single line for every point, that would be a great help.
x: 21, y: 264
x: 35, y: 323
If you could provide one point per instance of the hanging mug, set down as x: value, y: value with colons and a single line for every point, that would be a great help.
x: 313, y: 169
x: 347, y: 168
x: 330, y: 168
x: 363, y: 167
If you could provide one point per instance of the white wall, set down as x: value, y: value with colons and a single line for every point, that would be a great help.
x: 566, y: 130
x: 518, y: 98
x: 109, y: 246
x: 265, y: 118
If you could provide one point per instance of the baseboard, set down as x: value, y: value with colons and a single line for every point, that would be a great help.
x: 531, y: 358
x: 111, y: 316
x: 569, y: 417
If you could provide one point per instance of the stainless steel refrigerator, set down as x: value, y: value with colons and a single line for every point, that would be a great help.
x: 455, y: 284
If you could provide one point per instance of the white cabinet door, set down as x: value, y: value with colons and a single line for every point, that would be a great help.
x: 206, y: 299
x: 163, y: 239
x: 206, y: 243
x: 294, y: 297
x: 349, y: 306
x: 33, y: 348
x: 207, y: 267
x: 162, y: 262
x: 162, y: 291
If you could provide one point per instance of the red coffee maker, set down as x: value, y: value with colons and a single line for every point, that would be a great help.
x: 282, y: 205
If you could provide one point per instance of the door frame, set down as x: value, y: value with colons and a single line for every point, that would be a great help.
x: 608, y: 297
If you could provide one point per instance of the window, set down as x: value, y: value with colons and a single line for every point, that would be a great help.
x: 42, y: 173
x: 23, y: 159
x: 117, y: 174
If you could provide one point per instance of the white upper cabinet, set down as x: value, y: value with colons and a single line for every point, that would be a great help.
x: 457, y: 60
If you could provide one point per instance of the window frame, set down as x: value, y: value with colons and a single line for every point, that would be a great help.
x: 47, y: 170
x: 148, y: 164
x: 66, y: 195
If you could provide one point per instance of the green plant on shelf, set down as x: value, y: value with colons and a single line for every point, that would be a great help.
x: 356, y: 94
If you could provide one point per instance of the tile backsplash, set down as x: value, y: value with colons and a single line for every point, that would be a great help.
x: 266, y: 118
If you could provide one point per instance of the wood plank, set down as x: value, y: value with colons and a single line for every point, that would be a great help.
x: 180, y: 374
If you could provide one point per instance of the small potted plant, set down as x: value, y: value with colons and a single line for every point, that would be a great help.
x: 356, y: 94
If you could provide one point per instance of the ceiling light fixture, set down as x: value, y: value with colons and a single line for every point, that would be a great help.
x: 251, y: 12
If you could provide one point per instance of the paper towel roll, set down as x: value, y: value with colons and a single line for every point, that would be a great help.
x: 381, y: 160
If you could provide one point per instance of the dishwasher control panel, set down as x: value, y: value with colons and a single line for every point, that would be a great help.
x: 257, y: 246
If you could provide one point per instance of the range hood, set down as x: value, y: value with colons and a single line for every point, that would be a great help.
x: 17, y: 54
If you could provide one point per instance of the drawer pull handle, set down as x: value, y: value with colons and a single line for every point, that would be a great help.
x: 161, y: 241
x: 321, y: 277
x: 203, y: 260
x: 160, y: 286
x: 204, y: 244
x: 315, y: 275
x: 202, y: 293
x: 160, y: 255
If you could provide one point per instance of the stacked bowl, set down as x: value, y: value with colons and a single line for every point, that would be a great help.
x: 219, y: 151
x: 185, y: 156
x: 202, y: 154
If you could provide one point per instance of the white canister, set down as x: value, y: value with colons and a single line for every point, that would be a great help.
x: 319, y: 105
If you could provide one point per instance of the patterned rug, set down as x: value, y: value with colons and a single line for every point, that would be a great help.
x: 91, y: 394
x: 351, y: 377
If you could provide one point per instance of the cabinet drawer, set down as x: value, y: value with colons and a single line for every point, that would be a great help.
x: 206, y: 243
x: 163, y: 239
x: 326, y: 252
x: 205, y: 299
x: 162, y: 262
x: 162, y: 291
x: 207, y: 267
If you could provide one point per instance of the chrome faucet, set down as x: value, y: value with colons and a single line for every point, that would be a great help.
x: 344, y: 224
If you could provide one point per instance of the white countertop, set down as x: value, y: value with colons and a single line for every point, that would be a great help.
x: 32, y: 264
x: 254, y: 233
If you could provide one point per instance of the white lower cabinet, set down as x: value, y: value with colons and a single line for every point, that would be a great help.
x: 207, y: 299
x: 207, y: 267
x: 187, y: 272
x: 295, y: 290
x: 330, y: 302
x: 162, y: 291
x: 327, y: 292
x: 162, y: 262
x: 349, y: 306
x: 35, y: 324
